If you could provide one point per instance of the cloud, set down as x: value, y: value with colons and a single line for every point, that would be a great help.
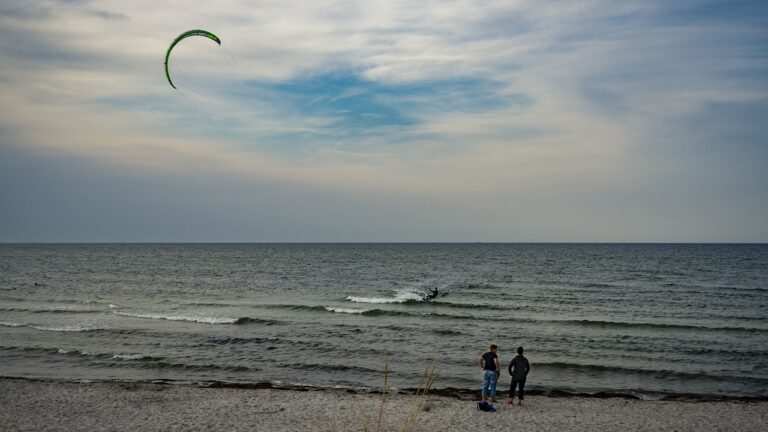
x: 438, y: 101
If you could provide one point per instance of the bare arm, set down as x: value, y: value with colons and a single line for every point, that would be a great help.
x: 496, y: 362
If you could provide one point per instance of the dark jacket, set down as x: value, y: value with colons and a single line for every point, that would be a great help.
x: 519, y: 367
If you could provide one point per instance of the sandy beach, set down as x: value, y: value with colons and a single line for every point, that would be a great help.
x: 109, y: 406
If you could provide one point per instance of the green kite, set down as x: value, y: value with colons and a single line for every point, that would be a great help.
x: 185, y: 35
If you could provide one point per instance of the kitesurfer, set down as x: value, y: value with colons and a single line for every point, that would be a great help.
x: 432, y: 294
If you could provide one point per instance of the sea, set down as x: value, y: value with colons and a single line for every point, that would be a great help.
x: 649, y: 320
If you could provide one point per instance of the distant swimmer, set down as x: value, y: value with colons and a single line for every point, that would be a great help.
x: 432, y: 294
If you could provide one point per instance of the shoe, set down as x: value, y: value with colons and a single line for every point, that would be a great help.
x: 493, y: 400
x: 519, y: 403
x: 509, y: 402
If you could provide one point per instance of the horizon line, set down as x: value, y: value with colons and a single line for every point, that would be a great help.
x: 375, y: 242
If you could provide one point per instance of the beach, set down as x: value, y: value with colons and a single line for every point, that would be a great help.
x: 39, y: 405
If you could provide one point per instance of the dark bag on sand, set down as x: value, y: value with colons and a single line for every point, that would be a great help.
x: 485, y: 406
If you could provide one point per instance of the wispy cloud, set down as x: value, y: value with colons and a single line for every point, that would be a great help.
x: 433, y: 100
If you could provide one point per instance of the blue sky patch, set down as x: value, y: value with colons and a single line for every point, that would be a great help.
x: 354, y: 102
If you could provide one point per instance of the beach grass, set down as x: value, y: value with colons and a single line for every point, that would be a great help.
x: 422, y: 391
x: 384, y: 391
x: 427, y: 381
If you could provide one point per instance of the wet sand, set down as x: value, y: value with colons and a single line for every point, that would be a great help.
x: 46, y: 405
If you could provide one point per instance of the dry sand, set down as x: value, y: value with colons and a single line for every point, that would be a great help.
x: 72, y: 406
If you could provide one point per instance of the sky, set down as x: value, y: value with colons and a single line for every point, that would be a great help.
x: 395, y: 121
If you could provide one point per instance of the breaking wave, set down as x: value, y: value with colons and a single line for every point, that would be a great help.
x: 400, y: 297
x: 346, y: 310
x: 190, y: 318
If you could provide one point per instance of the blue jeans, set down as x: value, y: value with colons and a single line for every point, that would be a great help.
x: 489, y: 383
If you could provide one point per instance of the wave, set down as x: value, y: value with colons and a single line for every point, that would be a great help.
x: 346, y: 310
x: 390, y: 313
x: 761, y: 353
x: 331, y: 368
x: 660, y: 374
x: 12, y: 324
x: 44, y: 350
x: 367, y: 312
x: 469, y: 305
x: 229, y: 340
x: 379, y: 312
x: 249, y: 320
x: 657, y: 326
x: 296, y: 307
x: 395, y: 327
x: 334, y: 309
x: 150, y: 363
x: 51, y: 310
x: 447, y: 332
x: 197, y: 318
x: 142, y: 361
x: 599, y: 285
x: 400, y: 297
x: 82, y: 353
x: 376, y: 312
x: 135, y: 357
x: 84, y: 328
x: 70, y: 328
x: 582, y: 322
x: 479, y: 286
x: 190, y: 318
x: 210, y: 304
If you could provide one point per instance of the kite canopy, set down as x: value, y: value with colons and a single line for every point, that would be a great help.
x: 185, y: 35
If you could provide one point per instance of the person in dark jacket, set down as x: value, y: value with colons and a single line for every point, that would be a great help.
x: 518, y: 369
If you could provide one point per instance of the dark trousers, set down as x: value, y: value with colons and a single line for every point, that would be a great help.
x: 516, y: 383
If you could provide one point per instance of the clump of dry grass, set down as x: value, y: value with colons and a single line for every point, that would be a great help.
x: 384, y: 391
x: 430, y: 375
x: 427, y: 380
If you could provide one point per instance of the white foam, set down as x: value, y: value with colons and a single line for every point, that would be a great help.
x: 345, y: 310
x: 12, y: 324
x: 192, y: 318
x: 400, y: 297
x: 74, y: 328
x: 128, y: 356
x: 63, y: 351
x: 114, y: 306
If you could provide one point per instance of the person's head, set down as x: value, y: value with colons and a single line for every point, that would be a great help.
x: 520, y: 350
x: 493, y: 347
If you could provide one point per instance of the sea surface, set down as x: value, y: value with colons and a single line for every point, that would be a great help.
x: 647, y: 319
